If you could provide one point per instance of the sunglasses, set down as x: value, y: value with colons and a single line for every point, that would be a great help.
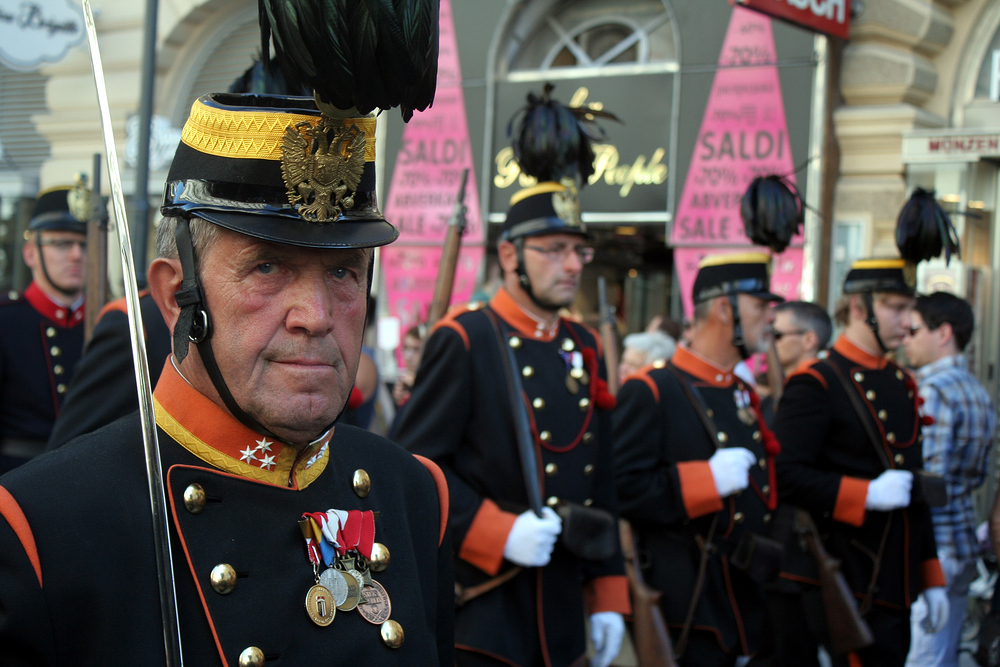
x: 912, y: 330
x: 778, y: 335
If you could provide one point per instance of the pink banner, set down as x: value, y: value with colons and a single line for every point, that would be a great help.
x: 423, y: 191
x: 743, y: 135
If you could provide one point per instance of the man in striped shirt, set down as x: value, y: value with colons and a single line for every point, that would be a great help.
x: 956, y: 446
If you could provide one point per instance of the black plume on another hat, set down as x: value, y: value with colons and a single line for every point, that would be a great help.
x: 738, y: 273
x: 924, y: 230
x: 881, y: 275
x: 64, y: 208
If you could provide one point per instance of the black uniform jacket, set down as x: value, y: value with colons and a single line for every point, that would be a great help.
x: 78, y: 583
x: 828, y: 459
x: 103, y: 386
x: 666, y: 490
x: 40, y: 343
x: 459, y: 416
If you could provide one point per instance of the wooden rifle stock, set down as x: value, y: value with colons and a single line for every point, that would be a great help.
x: 96, y: 288
x: 609, y: 335
x: 775, y: 373
x: 649, y: 630
x: 848, y: 630
x: 449, y: 257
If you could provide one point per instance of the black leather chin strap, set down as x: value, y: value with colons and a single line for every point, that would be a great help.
x: 871, y: 320
x: 738, y: 340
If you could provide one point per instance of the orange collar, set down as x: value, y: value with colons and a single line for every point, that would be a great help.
x: 217, y: 438
x: 862, y: 357
x: 705, y: 370
x: 61, y: 315
x: 504, y: 305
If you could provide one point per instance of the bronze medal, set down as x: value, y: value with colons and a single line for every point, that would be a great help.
x: 747, y: 416
x: 353, y: 594
x: 334, y: 581
x: 319, y: 605
x: 572, y: 385
x: 375, y: 606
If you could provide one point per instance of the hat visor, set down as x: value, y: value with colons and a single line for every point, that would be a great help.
x: 766, y: 296
x: 292, y: 231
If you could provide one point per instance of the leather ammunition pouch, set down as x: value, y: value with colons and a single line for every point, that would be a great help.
x: 930, y: 488
x: 759, y: 557
x: 588, y: 533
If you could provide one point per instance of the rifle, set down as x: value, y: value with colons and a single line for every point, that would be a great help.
x: 97, y: 253
x: 449, y: 256
x: 775, y: 373
x: 609, y: 338
x: 649, y: 630
x: 848, y: 630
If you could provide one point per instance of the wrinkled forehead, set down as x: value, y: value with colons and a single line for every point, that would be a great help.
x: 236, y: 245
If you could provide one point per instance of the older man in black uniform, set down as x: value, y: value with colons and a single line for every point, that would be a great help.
x: 41, y: 331
x: 849, y: 427
x: 292, y: 540
x: 695, y: 473
x: 523, y: 595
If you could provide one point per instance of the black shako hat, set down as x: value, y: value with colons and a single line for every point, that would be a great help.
x: 881, y: 275
x: 739, y: 273
x: 544, y: 208
x: 275, y: 168
x: 64, y: 208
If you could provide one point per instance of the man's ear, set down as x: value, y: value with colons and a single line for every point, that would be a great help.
x: 723, y: 309
x: 29, y: 251
x: 945, y: 333
x: 507, y: 255
x: 811, y: 341
x: 164, y: 280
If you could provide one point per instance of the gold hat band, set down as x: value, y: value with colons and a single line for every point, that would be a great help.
x: 736, y: 258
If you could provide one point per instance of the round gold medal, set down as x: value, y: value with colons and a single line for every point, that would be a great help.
x: 375, y: 607
x: 353, y: 593
x: 335, y: 582
x: 320, y: 606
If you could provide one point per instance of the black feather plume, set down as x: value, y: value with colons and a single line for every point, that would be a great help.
x: 552, y: 142
x: 356, y: 54
x: 772, y: 212
x: 924, y: 229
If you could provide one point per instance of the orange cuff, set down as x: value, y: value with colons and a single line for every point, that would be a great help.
x: 487, y: 536
x: 931, y: 574
x: 698, y: 488
x: 850, y: 507
x: 608, y: 593
x: 12, y: 512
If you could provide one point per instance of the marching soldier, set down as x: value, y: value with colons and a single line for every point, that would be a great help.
x: 294, y: 541
x: 525, y: 579
x: 849, y: 428
x: 41, y: 331
x: 695, y: 473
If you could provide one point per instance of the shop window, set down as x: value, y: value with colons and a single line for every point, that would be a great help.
x: 988, y: 82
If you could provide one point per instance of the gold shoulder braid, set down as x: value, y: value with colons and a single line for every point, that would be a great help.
x: 322, y: 167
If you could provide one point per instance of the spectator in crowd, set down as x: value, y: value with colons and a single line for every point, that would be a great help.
x: 641, y: 350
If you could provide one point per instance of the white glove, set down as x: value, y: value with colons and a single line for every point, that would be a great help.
x: 889, y: 491
x: 531, y: 539
x: 730, y: 469
x: 607, y: 628
x: 936, y: 601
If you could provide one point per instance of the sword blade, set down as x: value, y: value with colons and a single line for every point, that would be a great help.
x: 158, y: 503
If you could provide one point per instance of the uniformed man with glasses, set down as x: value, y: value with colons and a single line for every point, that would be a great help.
x: 41, y: 330
x: 523, y: 586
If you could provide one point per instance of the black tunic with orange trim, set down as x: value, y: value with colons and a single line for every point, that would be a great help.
x: 666, y: 490
x: 459, y: 416
x: 828, y: 459
x: 40, y: 343
x: 78, y: 583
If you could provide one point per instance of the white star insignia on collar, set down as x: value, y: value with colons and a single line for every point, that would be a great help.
x: 248, y: 455
x: 267, y: 462
x: 263, y: 445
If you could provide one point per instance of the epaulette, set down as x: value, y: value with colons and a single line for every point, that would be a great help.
x: 450, y: 319
x: 808, y: 367
x: 642, y: 375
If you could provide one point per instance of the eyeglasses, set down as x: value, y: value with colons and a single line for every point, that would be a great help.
x: 64, y: 245
x: 778, y: 335
x: 912, y: 330
x: 561, y: 252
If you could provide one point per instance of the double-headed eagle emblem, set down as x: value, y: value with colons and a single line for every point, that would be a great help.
x: 566, y: 204
x: 322, y: 166
x: 78, y: 199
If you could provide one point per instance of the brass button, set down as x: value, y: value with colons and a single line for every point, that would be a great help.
x: 252, y: 657
x: 552, y: 501
x: 883, y: 415
x: 899, y: 375
x: 58, y: 370
x: 514, y: 342
x: 756, y: 436
x: 766, y: 489
x: 380, y: 557
x: 588, y: 469
x: 50, y: 332
x: 194, y: 498
x: 890, y: 437
x: 60, y: 314
x: 588, y: 502
x: 223, y: 578
x: 723, y: 438
x: 392, y: 634
x: 55, y: 351
x: 538, y: 403
x: 859, y: 377
x: 738, y: 517
x: 576, y: 373
x: 767, y: 518
x: 710, y: 412
x: 362, y: 483
x: 870, y: 395
x: 475, y: 305
x: 910, y: 393
x: 551, y: 469
x: 545, y: 436
x: 61, y: 388
x: 659, y: 363
x: 567, y: 344
x: 898, y: 458
x: 527, y: 371
x: 584, y: 404
x: 588, y: 437
x: 762, y: 463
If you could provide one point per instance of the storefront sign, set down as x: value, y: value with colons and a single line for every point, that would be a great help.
x: 830, y: 17
x: 962, y: 146
x: 37, y: 31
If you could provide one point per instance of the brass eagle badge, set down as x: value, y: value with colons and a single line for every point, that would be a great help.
x: 566, y: 204
x: 322, y: 166
x: 78, y: 199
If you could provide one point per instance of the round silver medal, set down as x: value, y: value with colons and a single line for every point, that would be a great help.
x: 333, y: 580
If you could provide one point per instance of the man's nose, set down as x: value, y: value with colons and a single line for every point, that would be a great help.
x: 311, y: 306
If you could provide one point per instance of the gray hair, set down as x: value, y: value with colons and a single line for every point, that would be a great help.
x: 203, y: 234
x: 656, y: 345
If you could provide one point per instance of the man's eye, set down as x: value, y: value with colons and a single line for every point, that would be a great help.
x: 340, y: 273
x: 266, y: 267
